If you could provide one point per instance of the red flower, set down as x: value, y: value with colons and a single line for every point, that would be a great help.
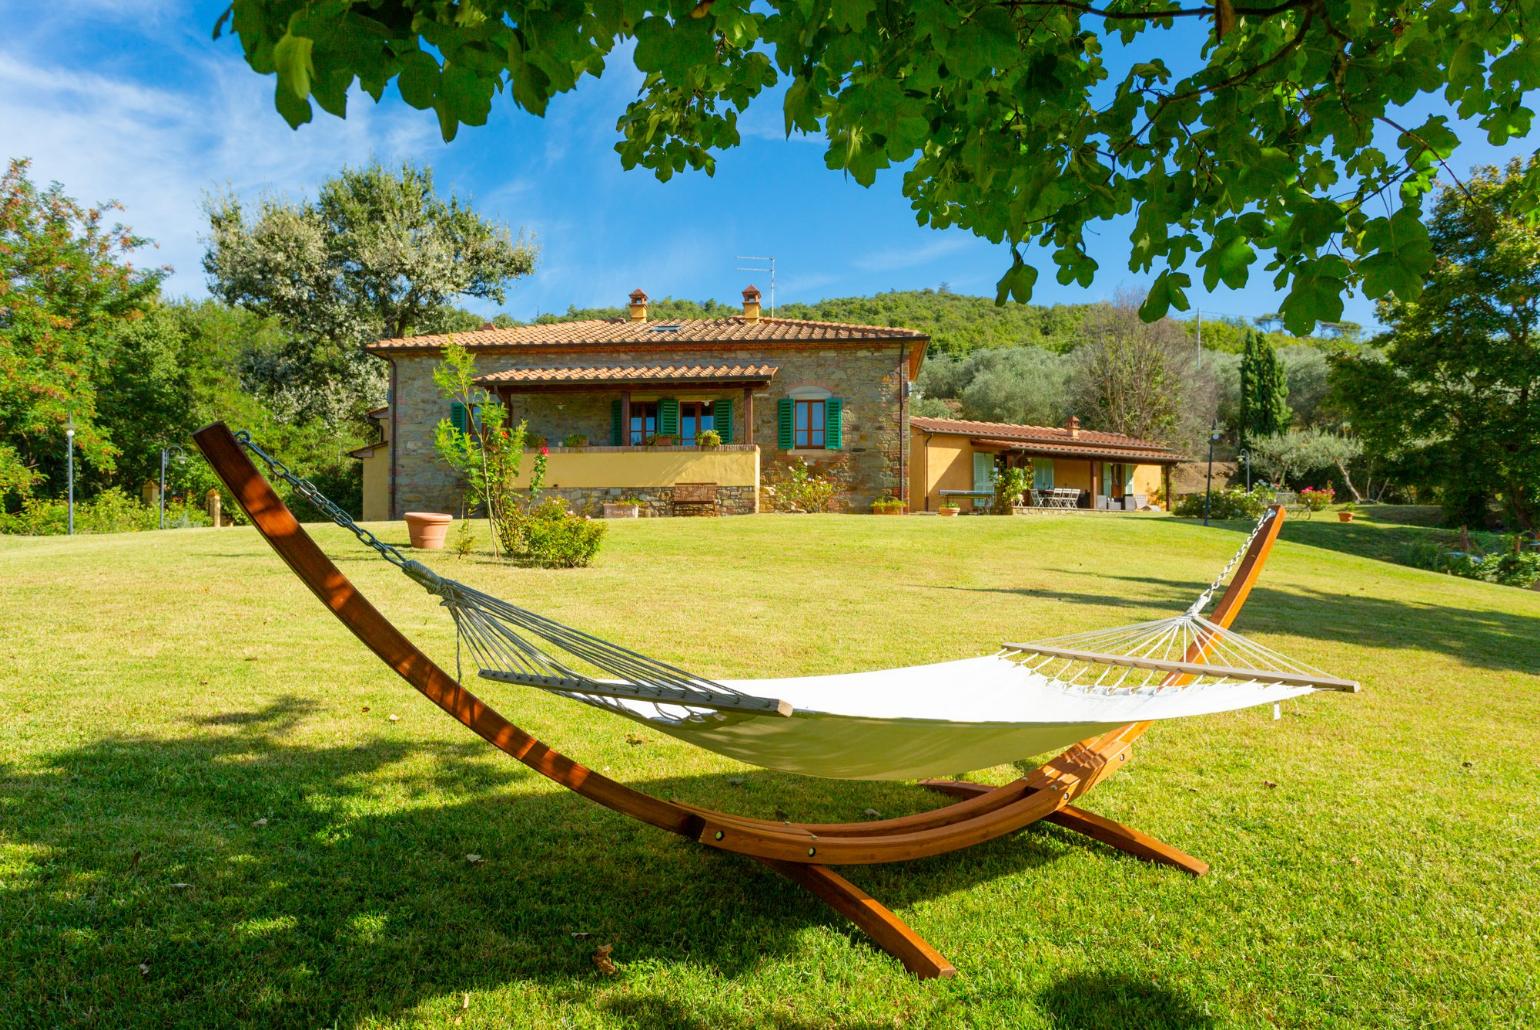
x: 544, y: 450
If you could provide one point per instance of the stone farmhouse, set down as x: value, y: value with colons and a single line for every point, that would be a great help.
x: 622, y: 405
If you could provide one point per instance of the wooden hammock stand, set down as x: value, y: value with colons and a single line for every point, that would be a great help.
x: 802, y: 852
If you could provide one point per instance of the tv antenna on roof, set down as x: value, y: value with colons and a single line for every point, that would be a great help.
x: 761, y: 263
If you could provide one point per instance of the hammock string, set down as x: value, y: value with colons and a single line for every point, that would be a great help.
x: 501, y: 638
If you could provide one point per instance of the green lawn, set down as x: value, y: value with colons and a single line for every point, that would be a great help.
x: 208, y: 814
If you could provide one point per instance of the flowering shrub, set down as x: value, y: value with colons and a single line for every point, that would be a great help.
x: 1317, y: 499
x: 549, y: 536
x: 804, y: 490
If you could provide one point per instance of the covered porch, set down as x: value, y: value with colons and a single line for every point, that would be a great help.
x: 958, y: 462
x: 638, y: 433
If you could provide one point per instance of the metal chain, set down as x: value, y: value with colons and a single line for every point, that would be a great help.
x: 306, y: 489
x: 1224, y: 573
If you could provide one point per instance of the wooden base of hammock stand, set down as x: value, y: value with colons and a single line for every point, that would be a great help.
x: 801, y: 852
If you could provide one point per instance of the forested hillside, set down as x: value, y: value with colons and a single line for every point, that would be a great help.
x: 959, y: 323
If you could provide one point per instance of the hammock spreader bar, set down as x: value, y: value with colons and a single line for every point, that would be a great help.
x: 1228, y: 672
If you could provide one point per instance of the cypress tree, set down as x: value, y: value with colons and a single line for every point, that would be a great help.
x: 1264, y: 389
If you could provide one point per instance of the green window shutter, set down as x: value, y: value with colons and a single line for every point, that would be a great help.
x: 722, y: 418
x: 617, y: 430
x: 783, y: 423
x: 457, y: 415
x: 668, y: 416
x: 834, y: 424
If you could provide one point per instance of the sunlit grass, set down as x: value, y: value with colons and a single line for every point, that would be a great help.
x: 208, y: 816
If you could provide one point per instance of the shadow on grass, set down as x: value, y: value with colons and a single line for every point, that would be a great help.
x: 1095, y: 1001
x: 261, y: 880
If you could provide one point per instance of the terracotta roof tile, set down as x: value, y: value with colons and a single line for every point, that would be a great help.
x: 659, y: 332
x: 1050, y: 439
x: 632, y: 374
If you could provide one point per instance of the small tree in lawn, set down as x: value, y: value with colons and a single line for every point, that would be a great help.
x: 484, y: 449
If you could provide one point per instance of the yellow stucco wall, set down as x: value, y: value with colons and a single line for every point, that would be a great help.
x: 621, y: 467
x: 376, y: 484
x: 936, y: 464
x: 1147, y: 482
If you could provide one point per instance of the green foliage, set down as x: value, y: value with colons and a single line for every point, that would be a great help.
x: 110, y: 511
x: 1264, y: 393
x: 1514, y: 568
x: 377, y: 254
x: 1009, y: 485
x: 575, y: 440
x: 886, y: 505
x: 1027, y: 124
x: 708, y: 438
x: 1233, y: 503
x: 803, y: 490
x: 1454, y: 393
x: 1284, y: 457
x: 1140, y: 379
x: 484, y: 452
x: 66, y: 282
x: 548, y: 536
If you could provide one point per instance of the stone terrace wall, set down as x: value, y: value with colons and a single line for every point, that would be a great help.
x: 869, y: 378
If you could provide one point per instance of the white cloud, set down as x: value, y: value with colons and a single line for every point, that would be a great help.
x: 901, y: 257
x: 158, y: 148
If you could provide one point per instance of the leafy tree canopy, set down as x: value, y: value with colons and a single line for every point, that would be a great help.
x: 66, y: 281
x: 1457, y: 384
x: 378, y: 253
x: 1023, y: 121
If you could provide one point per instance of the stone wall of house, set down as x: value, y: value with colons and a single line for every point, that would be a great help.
x: 653, y: 501
x: 867, y: 376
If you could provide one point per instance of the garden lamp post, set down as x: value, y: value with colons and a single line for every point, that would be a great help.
x: 69, y: 469
x: 1208, y: 486
x: 165, y: 459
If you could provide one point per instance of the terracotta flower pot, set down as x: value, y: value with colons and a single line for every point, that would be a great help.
x: 1344, y: 516
x: 946, y: 513
x: 427, y: 529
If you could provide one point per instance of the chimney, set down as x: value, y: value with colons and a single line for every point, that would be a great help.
x: 638, y: 306
x: 1073, y: 426
x: 751, y: 302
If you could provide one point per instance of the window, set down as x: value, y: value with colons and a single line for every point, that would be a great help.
x: 695, y: 417
x: 1042, y: 474
x: 983, y: 472
x: 644, y: 422
x: 808, y: 423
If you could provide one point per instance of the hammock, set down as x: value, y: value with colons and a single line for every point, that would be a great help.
x: 903, y: 723
x: 1003, y: 704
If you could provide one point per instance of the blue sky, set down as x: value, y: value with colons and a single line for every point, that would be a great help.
x: 133, y: 101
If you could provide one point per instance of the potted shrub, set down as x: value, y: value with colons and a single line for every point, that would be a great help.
x: 575, y: 440
x: 624, y: 508
x: 663, y: 440
x: 709, y: 439
x: 1349, y: 510
x: 888, y: 505
x: 427, y: 529
x: 948, y: 509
